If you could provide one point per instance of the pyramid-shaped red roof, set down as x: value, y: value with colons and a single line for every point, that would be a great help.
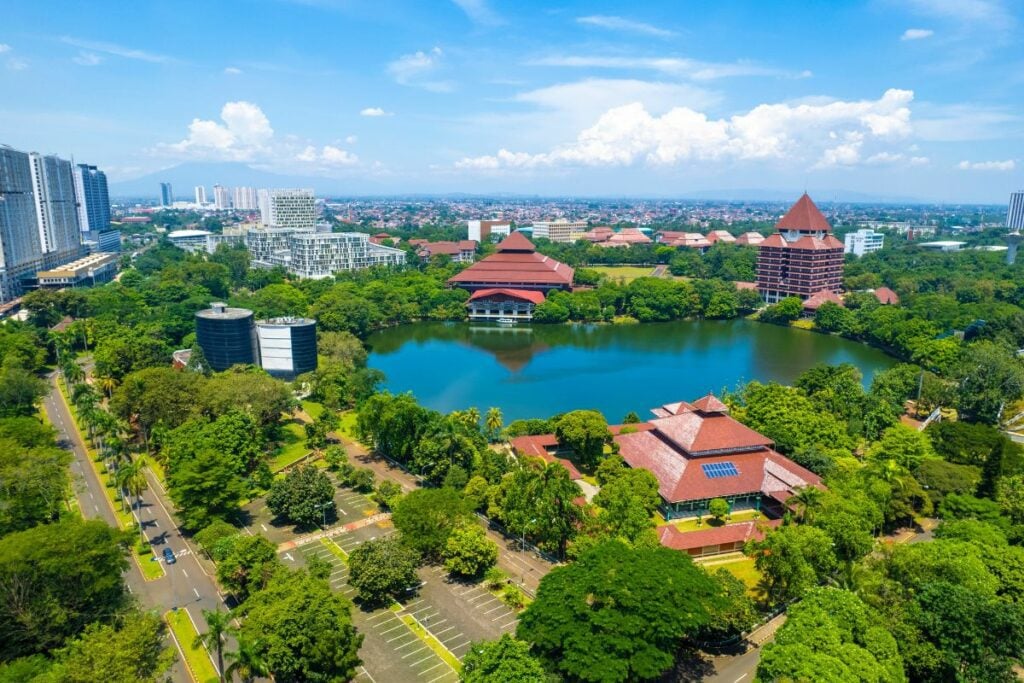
x: 710, y: 404
x: 804, y: 216
x: 516, y: 242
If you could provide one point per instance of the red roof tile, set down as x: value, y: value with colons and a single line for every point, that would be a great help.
x: 745, y: 285
x: 887, y: 296
x: 805, y: 216
x: 670, y: 537
x: 815, y: 301
x: 533, y: 297
x: 815, y: 243
x: 516, y: 262
x: 710, y: 404
x: 774, y: 240
x: 540, y: 446
x: 516, y: 241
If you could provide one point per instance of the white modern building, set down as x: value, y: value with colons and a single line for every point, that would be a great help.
x: 1015, y: 214
x: 317, y: 255
x: 221, y: 198
x: 560, y: 230
x: 942, y: 245
x: 200, y: 195
x: 244, y: 198
x: 53, y: 185
x: 863, y: 241
x: 287, y: 346
x: 190, y: 240
x: 288, y: 209
x: 485, y: 231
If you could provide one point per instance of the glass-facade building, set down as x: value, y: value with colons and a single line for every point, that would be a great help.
x: 227, y: 336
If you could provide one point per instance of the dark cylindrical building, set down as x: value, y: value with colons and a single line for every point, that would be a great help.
x: 287, y: 346
x: 227, y: 336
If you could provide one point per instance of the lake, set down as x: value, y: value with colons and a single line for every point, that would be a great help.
x: 540, y: 370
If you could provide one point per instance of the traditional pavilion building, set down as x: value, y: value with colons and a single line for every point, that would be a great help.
x: 802, y: 258
x: 510, y: 283
x: 698, y: 452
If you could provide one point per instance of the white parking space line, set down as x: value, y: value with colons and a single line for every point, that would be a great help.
x: 507, y: 624
x: 400, y: 625
x: 493, y: 609
x: 382, y: 614
x: 438, y: 677
x: 414, y: 641
x: 416, y: 652
x: 477, y: 597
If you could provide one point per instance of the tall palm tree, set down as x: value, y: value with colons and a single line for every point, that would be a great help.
x: 108, y: 384
x: 134, y: 484
x: 807, y: 497
x: 247, y: 661
x: 494, y: 422
x: 217, y: 625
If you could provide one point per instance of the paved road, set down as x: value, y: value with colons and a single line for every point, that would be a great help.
x: 186, y: 585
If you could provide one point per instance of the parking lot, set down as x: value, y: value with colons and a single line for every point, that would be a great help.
x: 349, y: 506
x: 390, y: 650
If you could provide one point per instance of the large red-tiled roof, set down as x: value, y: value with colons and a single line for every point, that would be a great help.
x: 710, y: 404
x: 516, y: 262
x: 774, y: 240
x: 804, y: 215
x: 694, y: 433
x: 816, y: 243
x: 815, y: 301
x: 533, y: 297
x: 540, y: 446
x: 670, y: 537
x: 887, y: 296
x: 750, y: 238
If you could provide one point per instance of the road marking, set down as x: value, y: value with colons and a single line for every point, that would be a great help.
x: 423, y: 660
x: 437, y: 634
x: 740, y: 678
x: 436, y: 678
x: 185, y: 573
x: 493, y: 609
x: 415, y: 652
x: 400, y: 625
x: 196, y: 592
x: 368, y: 674
x: 506, y: 625
x: 288, y: 556
x: 263, y: 526
x: 382, y: 614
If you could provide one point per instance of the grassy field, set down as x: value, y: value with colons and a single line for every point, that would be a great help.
x: 348, y: 424
x: 196, y: 659
x: 625, y: 274
x: 292, y: 447
x: 313, y: 409
x: 743, y: 569
x: 707, y: 522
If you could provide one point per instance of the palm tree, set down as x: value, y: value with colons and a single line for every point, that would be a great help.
x: 108, y: 384
x: 217, y: 625
x: 247, y: 661
x: 807, y: 497
x: 135, y: 483
x: 494, y: 422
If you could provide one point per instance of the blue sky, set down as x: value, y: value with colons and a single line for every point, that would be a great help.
x: 917, y: 98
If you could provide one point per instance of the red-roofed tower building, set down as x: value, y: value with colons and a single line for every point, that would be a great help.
x: 802, y: 258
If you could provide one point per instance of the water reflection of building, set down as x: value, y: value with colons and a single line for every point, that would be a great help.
x: 511, y: 282
x: 512, y: 347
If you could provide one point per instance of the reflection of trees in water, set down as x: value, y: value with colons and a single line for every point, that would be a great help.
x: 774, y: 348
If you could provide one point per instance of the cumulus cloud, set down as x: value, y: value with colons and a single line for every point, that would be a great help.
x: 84, y: 58
x: 116, y: 50
x: 351, y: 140
x: 1007, y: 165
x: 897, y: 158
x: 244, y: 134
x: 834, y: 133
x: 4, y: 47
x: 374, y: 111
x: 679, y: 67
x: 416, y: 70
x: 614, y: 23
x: 232, y: 71
x: 917, y: 34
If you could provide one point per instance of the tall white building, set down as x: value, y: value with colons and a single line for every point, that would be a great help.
x: 53, y: 185
x: 244, y: 198
x: 221, y: 198
x: 863, y: 241
x: 288, y: 209
x: 200, y: 195
x: 1015, y: 214
x: 560, y: 230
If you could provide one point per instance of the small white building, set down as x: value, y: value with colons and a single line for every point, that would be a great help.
x: 863, y: 241
x: 942, y: 245
x: 189, y: 240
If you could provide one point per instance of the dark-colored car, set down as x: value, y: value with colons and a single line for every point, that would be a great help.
x: 169, y: 557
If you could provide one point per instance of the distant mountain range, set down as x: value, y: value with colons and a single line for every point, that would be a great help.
x: 185, y: 177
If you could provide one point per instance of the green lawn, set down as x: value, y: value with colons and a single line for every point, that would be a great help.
x: 348, y: 424
x: 292, y: 447
x: 313, y: 409
x: 624, y: 273
x: 743, y: 569
x: 707, y: 522
x: 197, y: 659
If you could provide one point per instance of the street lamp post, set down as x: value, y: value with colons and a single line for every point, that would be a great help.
x: 323, y: 509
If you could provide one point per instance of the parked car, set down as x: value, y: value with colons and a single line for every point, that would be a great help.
x: 169, y: 557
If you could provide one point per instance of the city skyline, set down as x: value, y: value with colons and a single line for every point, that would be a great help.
x: 911, y: 99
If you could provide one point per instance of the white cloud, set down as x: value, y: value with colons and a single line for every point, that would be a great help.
x: 243, y: 135
x: 17, y: 64
x: 1007, y: 165
x: 917, y: 34
x: 232, y: 71
x: 336, y: 156
x: 993, y: 12
x: 896, y: 159
x: 614, y: 23
x: 374, y: 111
x: 825, y: 134
x: 87, y: 58
x: 479, y: 12
x: 4, y: 47
x: 116, y: 50
x: 679, y: 67
x: 351, y: 140
x: 415, y: 70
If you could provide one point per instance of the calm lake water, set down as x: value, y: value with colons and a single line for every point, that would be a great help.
x: 540, y: 370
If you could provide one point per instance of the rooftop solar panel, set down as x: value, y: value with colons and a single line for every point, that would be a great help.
x: 716, y: 470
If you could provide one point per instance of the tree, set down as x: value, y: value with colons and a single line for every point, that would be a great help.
x: 627, y: 504
x: 205, y: 487
x: 248, y: 564
x: 388, y: 494
x: 34, y: 482
x: 585, y: 433
x: 1010, y: 496
x: 217, y: 626
x: 427, y: 517
x: 247, y: 662
x: 55, y: 579
x: 832, y: 635
x: 493, y: 422
x: 507, y: 660
x: 542, y: 504
x: 468, y: 551
x: 303, y: 496
x: 382, y: 568
x: 318, y: 430
x: 993, y: 469
x: 301, y: 630
x: 792, y: 559
x: 610, y: 468
x: 784, y: 312
x: 718, y: 508
x: 808, y: 498
x: 19, y: 391
x: 990, y: 375
x: 790, y: 418
x: 618, y: 613
x: 904, y: 445
x: 361, y: 480
x: 133, y: 649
